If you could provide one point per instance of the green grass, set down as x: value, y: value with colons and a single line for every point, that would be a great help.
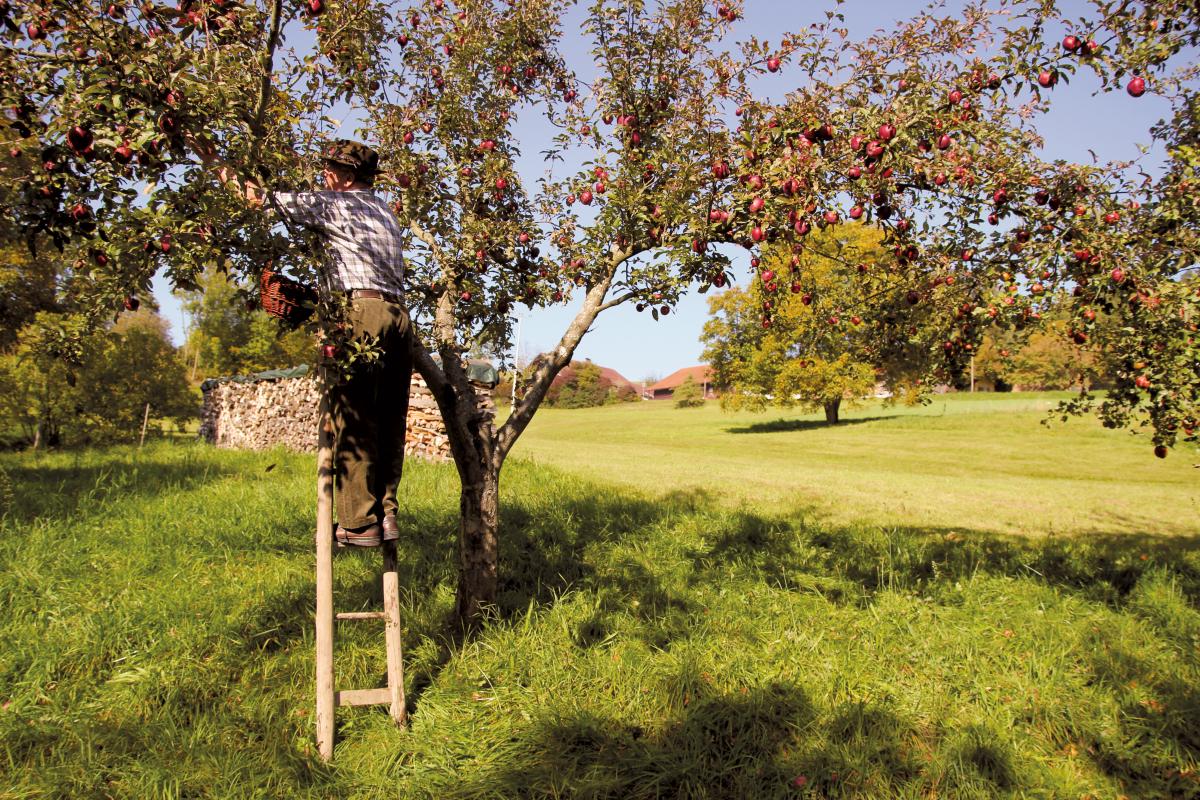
x: 661, y: 641
x: 965, y: 462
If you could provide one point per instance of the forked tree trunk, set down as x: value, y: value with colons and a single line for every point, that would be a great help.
x: 478, y: 446
x: 478, y: 545
x: 831, y: 411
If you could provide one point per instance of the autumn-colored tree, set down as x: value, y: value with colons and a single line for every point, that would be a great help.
x: 847, y: 321
x: 1044, y: 359
x: 926, y: 131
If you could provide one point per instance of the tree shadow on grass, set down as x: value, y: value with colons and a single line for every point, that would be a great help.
x: 44, y: 490
x: 789, y: 425
x: 718, y: 746
x: 613, y: 546
x: 763, y: 742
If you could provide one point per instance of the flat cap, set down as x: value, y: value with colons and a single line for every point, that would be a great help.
x: 354, y: 155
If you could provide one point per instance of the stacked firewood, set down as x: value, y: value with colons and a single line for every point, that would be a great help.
x: 256, y: 415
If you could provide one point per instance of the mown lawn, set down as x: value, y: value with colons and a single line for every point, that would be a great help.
x: 659, y: 633
x: 982, y: 462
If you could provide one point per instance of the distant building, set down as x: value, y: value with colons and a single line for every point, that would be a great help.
x: 607, y: 375
x: 665, y: 389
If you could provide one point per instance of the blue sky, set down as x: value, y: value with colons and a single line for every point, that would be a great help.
x: 1111, y: 125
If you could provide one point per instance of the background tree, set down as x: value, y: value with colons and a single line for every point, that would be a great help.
x: 230, y: 335
x: 133, y: 366
x: 1045, y: 358
x: 688, y: 394
x: 925, y: 131
x: 846, y: 321
x: 101, y: 393
x: 583, y: 384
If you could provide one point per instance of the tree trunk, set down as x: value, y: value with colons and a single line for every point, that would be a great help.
x: 831, y: 411
x: 478, y: 545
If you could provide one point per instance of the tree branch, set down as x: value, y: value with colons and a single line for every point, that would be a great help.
x: 559, y: 358
x: 267, y: 63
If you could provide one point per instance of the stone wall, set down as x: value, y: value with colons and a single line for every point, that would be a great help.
x: 255, y: 415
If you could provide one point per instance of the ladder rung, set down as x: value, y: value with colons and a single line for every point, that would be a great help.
x: 362, y: 697
x: 360, y: 615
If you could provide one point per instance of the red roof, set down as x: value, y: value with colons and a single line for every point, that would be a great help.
x: 701, y: 374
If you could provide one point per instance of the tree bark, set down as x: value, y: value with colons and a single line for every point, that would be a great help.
x: 831, y: 411
x: 479, y: 448
x: 478, y: 546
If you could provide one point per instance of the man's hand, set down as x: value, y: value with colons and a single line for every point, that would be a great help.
x: 202, y: 147
x: 248, y: 189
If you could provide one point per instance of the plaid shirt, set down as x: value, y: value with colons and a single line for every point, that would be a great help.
x: 362, y: 237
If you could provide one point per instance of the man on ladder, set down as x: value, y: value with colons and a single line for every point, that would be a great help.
x: 362, y: 260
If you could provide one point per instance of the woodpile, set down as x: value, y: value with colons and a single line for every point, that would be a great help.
x: 256, y: 415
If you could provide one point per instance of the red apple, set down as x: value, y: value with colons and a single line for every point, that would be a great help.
x: 887, y: 132
x: 1071, y: 43
x: 856, y: 212
x: 1136, y: 86
x: 1142, y: 382
x: 585, y: 197
x: 132, y: 303
x: 1160, y: 451
x: 773, y: 64
x: 945, y: 141
x: 315, y: 7
x: 80, y: 138
x: 1047, y: 78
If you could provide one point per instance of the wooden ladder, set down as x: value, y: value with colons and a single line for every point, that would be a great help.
x: 329, y: 699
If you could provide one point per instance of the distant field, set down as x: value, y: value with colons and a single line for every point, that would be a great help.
x: 982, y: 462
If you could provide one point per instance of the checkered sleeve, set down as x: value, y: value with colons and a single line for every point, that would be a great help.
x: 308, y: 209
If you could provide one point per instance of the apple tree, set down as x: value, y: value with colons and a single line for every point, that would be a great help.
x: 665, y: 159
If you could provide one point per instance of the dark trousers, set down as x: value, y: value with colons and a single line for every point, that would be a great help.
x: 369, y: 410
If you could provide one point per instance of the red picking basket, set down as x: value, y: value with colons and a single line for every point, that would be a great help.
x: 285, y: 298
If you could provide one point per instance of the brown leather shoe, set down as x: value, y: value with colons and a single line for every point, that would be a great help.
x: 363, y: 537
x: 391, y: 528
